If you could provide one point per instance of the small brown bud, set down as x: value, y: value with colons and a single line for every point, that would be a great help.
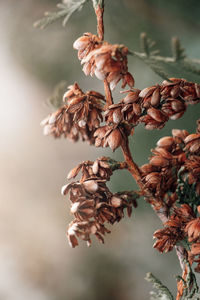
x: 156, y: 114
x: 147, y: 91
x: 153, y: 178
x: 192, y: 137
x: 129, y: 79
x: 131, y: 97
x: 81, y: 42
x: 165, y: 142
x: 137, y: 109
x: 175, y: 91
x: 73, y: 173
x: 155, y: 98
x: 117, y: 115
x: 159, y: 161
x: 178, y: 106
x: 114, y: 139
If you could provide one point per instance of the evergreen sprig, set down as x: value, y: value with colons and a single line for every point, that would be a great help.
x: 186, y: 192
x: 159, y: 64
x: 191, y: 290
x: 56, y: 100
x: 162, y: 292
x: 65, y: 10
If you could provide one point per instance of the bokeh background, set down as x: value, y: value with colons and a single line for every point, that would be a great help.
x: 36, y: 260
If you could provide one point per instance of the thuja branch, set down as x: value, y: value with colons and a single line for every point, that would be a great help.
x: 132, y: 166
x: 162, y: 291
x: 65, y: 11
x: 160, y: 63
x: 85, y: 115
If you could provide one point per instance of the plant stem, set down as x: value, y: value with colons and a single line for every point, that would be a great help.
x: 108, y: 93
x: 99, y: 10
x: 132, y: 166
x: 100, y: 26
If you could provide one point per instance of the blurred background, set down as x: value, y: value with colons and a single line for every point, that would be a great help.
x: 36, y: 260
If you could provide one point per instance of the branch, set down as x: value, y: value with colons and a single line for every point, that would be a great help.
x: 65, y: 10
x: 187, y: 285
x: 162, y: 292
x: 159, y: 63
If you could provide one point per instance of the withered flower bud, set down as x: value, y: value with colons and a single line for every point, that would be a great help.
x: 109, y: 135
x: 192, y: 143
x: 104, y: 60
x: 92, y: 203
x: 193, y: 230
x: 80, y: 116
x: 167, y: 238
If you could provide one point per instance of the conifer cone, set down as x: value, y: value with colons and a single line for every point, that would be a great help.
x: 92, y: 203
x: 79, y: 117
x: 104, y: 60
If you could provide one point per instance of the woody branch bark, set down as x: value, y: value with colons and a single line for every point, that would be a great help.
x: 132, y: 166
x: 99, y: 10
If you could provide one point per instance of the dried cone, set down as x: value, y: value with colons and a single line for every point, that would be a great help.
x: 193, y: 230
x: 92, y: 203
x: 79, y: 117
x: 155, y: 105
x: 104, y: 60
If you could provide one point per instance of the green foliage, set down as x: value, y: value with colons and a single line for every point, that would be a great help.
x: 191, y: 290
x: 65, y: 10
x: 177, y: 51
x: 186, y: 192
x: 161, y: 65
x: 56, y: 100
x: 162, y: 292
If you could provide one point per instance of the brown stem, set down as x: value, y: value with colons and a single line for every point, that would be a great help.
x: 108, y: 93
x: 100, y: 26
x: 100, y: 31
x: 180, y: 284
x: 132, y: 166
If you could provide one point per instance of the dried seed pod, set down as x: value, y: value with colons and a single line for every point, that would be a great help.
x: 175, y: 91
x: 159, y: 161
x: 155, y: 98
x: 74, y: 172
x: 147, y: 92
x: 193, y: 230
x: 117, y: 115
x: 156, y: 115
x: 114, y: 139
x: 166, y: 142
x: 131, y: 97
